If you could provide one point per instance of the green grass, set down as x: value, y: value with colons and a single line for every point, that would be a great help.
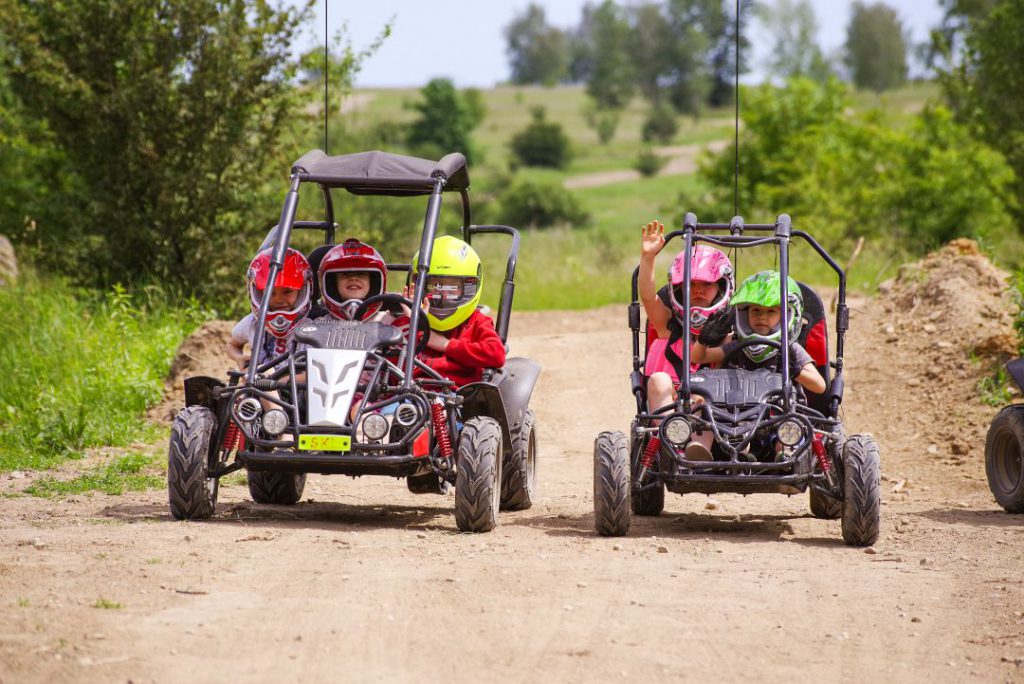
x: 107, y: 604
x: 129, y: 473
x: 79, y: 368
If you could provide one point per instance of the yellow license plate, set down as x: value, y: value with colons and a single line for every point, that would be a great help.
x: 325, y: 443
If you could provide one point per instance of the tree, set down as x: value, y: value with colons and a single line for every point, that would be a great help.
x: 652, y: 42
x: 537, y: 53
x: 163, y: 118
x: 987, y: 88
x: 612, y: 77
x: 542, y: 143
x: 445, y: 121
x: 796, y: 51
x: 876, y: 47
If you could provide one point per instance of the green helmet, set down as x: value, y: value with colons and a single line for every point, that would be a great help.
x: 453, y: 284
x: 763, y: 289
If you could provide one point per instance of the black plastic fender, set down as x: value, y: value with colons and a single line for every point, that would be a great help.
x: 516, y: 386
x: 199, y: 391
x: 1016, y: 370
x: 484, y: 399
x: 505, y: 397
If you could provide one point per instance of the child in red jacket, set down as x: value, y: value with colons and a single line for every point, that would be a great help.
x: 462, y: 340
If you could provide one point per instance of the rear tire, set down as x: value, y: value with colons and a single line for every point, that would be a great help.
x: 478, y: 480
x: 649, y: 502
x: 191, y: 492
x: 1004, y: 458
x: 268, y: 487
x: 519, y: 471
x: 825, y: 507
x: 611, y: 484
x: 862, y: 484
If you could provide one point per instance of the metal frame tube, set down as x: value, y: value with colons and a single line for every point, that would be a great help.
x: 422, y: 269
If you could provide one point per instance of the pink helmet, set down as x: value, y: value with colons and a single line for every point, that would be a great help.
x: 709, y: 265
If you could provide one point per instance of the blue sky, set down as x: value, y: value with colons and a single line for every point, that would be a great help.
x: 463, y: 39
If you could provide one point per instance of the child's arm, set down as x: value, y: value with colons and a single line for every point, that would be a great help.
x: 652, y: 239
x: 811, y: 379
x: 236, y: 351
x: 478, y: 347
x: 808, y: 375
x: 707, y: 355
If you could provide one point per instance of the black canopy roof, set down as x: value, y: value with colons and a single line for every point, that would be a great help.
x: 382, y: 173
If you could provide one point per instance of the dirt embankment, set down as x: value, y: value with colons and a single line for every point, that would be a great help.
x: 365, y: 581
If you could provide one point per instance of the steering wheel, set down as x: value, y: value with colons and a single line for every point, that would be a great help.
x: 393, y: 298
x: 753, y: 343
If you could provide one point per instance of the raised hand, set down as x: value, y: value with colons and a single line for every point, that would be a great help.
x: 652, y: 239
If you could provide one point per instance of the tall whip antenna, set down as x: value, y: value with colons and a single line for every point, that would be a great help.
x: 736, y: 96
x: 327, y: 63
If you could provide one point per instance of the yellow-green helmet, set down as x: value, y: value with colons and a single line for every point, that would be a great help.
x: 452, y: 301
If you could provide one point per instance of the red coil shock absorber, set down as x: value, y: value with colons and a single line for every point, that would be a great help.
x: 437, y: 417
x: 653, y: 447
x: 818, y: 445
x: 230, y: 436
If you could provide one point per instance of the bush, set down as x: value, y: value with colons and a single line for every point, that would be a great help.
x: 661, y: 124
x: 604, y: 121
x: 538, y: 205
x: 446, y: 118
x: 804, y: 152
x: 79, y: 368
x: 648, y: 163
x: 542, y: 143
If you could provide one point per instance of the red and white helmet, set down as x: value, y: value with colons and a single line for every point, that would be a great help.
x: 295, y: 274
x: 351, y: 256
x: 709, y: 265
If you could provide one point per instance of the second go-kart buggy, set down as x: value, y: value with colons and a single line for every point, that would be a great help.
x: 358, y: 401
x: 747, y: 411
x: 1004, y: 449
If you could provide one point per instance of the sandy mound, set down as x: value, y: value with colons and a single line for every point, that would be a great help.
x: 202, y: 353
x: 921, y: 350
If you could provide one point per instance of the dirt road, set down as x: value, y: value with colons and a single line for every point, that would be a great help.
x: 366, y: 582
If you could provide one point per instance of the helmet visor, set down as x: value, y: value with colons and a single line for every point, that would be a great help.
x: 447, y: 293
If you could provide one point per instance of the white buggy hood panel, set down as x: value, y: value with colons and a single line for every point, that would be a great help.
x: 332, y: 377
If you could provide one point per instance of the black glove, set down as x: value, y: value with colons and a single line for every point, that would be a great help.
x: 715, y: 329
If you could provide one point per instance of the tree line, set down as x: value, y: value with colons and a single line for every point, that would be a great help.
x: 683, y: 51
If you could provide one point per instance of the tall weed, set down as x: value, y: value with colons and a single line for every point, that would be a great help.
x: 78, y: 367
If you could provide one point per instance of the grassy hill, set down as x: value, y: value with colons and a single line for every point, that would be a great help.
x: 586, y: 266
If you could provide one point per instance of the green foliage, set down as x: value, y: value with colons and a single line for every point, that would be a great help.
x: 152, y: 122
x: 538, y: 53
x: 850, y: 174
x: 994, y: 390
x: 661, y: 124
x: 527, y: 204
x: 648, y: 163
x: 987, y: 88
x: 107, y: 604
x: 542, y: 143
x: 876, y: 47
x: 611, y: 80
x: 603, y: 121
x: 79, y: 368
x: 796, y: 51
x: 446, y: 119
x: 132, y: 473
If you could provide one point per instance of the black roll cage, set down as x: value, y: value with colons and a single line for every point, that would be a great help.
x: 287, y: 223
x: 780, y: 234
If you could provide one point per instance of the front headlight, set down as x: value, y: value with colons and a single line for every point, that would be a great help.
x: 676, y: 431
x: 790, y: 433
x: 274, y: 422
x: 375, y: 426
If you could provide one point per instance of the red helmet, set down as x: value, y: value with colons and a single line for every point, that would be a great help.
x: 295, y: 274
x: 351, y: 256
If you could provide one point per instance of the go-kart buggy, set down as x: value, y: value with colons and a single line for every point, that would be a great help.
x: 294, y: 414
x: 1004, y: 449
x: 746, y: 411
